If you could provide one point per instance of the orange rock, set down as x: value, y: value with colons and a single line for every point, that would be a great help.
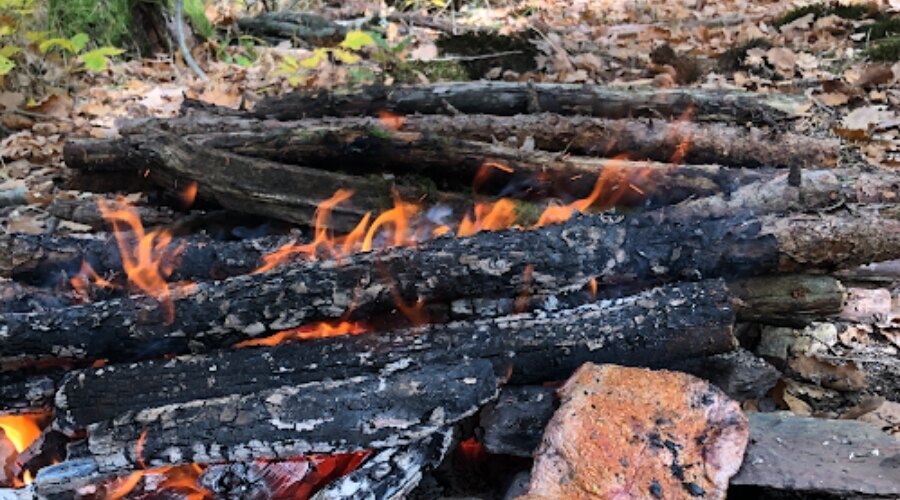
x: 624, y: 433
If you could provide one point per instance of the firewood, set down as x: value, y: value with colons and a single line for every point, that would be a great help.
x: 428, y: 138
x: 653, y: 328
x: 42, y: 259
x: 789, y: 299
x: 818, y: 190
x: 501, y: 98
x: 451, y: 164
x: 396, y: 406
x: 262, y: 187
x: 563, y: 258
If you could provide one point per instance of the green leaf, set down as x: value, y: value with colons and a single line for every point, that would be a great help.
x: 356, y: 40
x: 36, y: 36
x: 9, y: 50
x: 98, y: 59
x: 346, y: 56
x: 79, y: 41
x: 243, y: 61
x: 313, y: 61
x: 63, y: 43
x: 6, y: 65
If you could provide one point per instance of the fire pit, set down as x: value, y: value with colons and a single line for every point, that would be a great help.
x: 461, y: 249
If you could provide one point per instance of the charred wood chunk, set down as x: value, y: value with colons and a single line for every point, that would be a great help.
x: 514, y: 423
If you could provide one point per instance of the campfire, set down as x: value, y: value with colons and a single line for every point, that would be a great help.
x: 445, y: 261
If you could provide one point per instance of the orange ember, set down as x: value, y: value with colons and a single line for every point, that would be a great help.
x: 390, y: 120
x: 148, y: 258
x: 189, y: 195
x: 473, y: 450
x: 316, y: 331
x: 21, y: 430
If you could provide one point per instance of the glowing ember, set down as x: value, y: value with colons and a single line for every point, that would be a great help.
x: 472, y: 450
x: 148, y: 258
x: 189, y: 195
x: 21, y: 430
x: 390, y: 120
x: 592, y: 286
x: 306, y: 332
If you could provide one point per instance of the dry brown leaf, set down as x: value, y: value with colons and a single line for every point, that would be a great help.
x: 783, y: 59
x: 865, y: 304
x: 833, y: 99
x: 12, y: 100
x: 844, y: 377
x: 875, y: 74
x: 886, y: 416
x: 857, y: 124
x: 55, y: 105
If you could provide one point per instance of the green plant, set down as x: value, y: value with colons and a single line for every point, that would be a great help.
x: 855, y: 11
x: 243, y: 53
x: 347, y: 52
x: 887, y: 49
x: 107, y: 22
x: 882, y: 28
x: 91, y: 60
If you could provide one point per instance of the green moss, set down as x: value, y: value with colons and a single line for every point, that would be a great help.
x: 887, y: 50
x: 527, y: 213
x: 822, y: 10
x: 107, y: 22
x: 883, y: 28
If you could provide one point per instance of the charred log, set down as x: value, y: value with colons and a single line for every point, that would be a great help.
x: 562, y: 258
x: 399, y: 405
x: 256, y: 186
x: 43, y: 260
x: 500, y: 98
x: 649, y: 329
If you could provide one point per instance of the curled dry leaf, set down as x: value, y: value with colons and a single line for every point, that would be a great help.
x: 857, y: 124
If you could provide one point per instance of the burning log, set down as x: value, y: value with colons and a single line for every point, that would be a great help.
x: 427, y: 139
x: 502, y: 98
x: 453, y: 165
x: 400, y: 404
x: 653, y: 328
x: 42, y: 259
x: 562, y: 258
x: 255, y: 186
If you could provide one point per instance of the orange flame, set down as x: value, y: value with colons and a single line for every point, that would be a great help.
x: 681, y: 150
x: 489, y: 217
x: 397, y: 218
x: 183, y: 479
x: 316, y: 331
x: 148, y: 258
x: 525, y: 295
x: 485, y: 171
x: 81, y: 282
x: 21, y: 430
x: 592, y: 285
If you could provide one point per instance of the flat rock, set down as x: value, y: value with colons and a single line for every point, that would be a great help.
x: 837, y: 457
x: 636, y: 433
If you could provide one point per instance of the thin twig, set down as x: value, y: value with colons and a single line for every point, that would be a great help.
x: 182, y: 44
x: 478, y: 57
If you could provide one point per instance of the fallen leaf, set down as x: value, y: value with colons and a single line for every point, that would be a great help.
x: 783, y: 59
x: 424, y: 52
x: 833, y: 99
x: 845, y: 377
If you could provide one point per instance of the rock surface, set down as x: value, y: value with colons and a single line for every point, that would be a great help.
x: 636, y: 433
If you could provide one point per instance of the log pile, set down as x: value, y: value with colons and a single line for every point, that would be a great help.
x: 701, y: 232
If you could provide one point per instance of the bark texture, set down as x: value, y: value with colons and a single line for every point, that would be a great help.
x: 502, y: 98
